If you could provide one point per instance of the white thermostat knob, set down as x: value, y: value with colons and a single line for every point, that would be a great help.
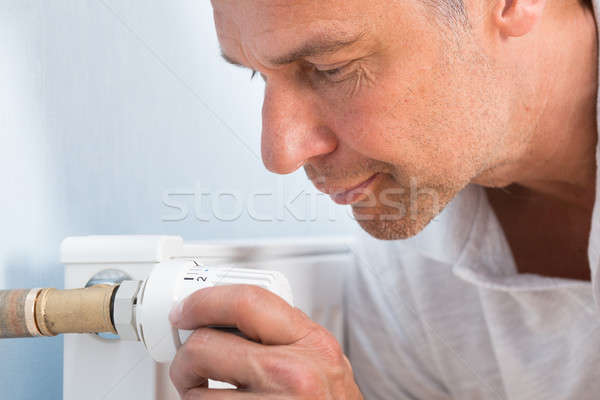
x: 172, y: 281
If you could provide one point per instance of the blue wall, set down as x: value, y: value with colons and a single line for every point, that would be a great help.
x: 114, y: 117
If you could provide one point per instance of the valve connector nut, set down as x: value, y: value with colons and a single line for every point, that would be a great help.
x: 124, y: 310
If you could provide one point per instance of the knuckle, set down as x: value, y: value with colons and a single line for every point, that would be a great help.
x: 272, y: 367
x: 306, y: 383
x: 300, y: 319
x: 336, y: 367
x: 328, y: 346
x: 294, y: 376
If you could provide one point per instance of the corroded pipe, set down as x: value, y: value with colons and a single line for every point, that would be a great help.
x: 17, y: 313
x: 49, y: 312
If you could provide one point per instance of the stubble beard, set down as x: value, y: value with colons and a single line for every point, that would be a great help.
x: 404, y: 211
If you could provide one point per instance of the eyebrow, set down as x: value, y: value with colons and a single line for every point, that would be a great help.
x: 311, y: 48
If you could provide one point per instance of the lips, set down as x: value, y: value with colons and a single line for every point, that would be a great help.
x: 350, y: 195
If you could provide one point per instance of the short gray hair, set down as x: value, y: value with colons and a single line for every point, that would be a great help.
x: 452, y: 11
x: 455, y: 9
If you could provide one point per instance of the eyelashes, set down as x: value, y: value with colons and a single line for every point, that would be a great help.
x: 338, y: 75
x: 328, y: 74
x: 332, y: 74
x: 350, y: 76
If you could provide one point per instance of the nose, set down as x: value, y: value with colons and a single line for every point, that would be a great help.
x: 293, y: 131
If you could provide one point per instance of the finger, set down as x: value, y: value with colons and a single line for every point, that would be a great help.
x: 212, y: 354
x: 258, y: 313
x: 223, y: 394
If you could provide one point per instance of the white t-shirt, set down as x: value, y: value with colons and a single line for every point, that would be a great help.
x: 445, y: 315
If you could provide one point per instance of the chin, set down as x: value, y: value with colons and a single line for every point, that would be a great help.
x: 392, y: 229
x: 400, y: 221
x: 396, y: 211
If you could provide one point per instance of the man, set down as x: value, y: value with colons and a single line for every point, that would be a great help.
x: 485, y: 109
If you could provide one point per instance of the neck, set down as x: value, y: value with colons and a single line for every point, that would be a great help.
x: 558, y: 159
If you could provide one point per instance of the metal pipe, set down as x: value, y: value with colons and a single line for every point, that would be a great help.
x: 49, y: 312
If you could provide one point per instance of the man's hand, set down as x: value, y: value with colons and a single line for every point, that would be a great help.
x: 290, y: 356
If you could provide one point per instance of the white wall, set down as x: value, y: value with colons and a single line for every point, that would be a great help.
x: 110, y: 111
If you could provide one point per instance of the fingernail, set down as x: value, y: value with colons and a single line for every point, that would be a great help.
x: 176, y: 313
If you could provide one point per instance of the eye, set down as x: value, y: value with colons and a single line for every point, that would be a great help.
x: 334, y: 75
x: 332, y: 72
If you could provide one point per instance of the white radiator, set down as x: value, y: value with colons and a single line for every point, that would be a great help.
x: 109, y: 369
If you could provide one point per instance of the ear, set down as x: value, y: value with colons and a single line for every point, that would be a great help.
x: 517, y: 17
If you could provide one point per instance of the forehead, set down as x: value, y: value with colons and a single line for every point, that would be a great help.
x: 253, y: 17
x: 271, y: 26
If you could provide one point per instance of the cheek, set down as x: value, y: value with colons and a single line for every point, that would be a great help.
x: 398, y: 127
x: 417, y: 120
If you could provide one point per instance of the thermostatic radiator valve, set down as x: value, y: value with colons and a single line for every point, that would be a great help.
x: 135, y: 310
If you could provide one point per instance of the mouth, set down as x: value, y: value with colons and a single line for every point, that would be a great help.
x: 351, y: 195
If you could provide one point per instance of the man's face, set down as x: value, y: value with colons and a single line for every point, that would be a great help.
x: 378, y: 96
